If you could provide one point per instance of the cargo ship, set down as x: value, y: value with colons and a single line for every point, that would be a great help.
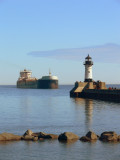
x: 27, y: 81
x: 93, y: 89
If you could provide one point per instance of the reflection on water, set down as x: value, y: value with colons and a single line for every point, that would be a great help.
x: 88, y: 106
x: 3, y: 143
x: 68, y: 143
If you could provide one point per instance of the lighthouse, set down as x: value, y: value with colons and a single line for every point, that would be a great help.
x: 88, y: 69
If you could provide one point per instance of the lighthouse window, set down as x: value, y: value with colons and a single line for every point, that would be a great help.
x: 88, y: 71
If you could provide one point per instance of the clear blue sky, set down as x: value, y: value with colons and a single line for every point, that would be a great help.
x: 58, y: 34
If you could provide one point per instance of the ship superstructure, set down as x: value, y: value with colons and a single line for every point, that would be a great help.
x: 26, y: 74
x: 26, y: 80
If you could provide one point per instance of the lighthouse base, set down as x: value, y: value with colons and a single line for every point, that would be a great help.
x: 88, y: 80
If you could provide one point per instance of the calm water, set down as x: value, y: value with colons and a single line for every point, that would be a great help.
x: 53, y: 111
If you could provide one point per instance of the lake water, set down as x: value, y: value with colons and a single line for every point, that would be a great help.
x: 53, y: 111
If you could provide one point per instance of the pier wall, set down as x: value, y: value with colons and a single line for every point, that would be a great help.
x: 105, y: 94
x: 95, y: 90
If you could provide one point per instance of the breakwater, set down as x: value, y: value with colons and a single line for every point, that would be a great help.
x: 102, y: 94
x: 108, y: 136
x: 95, y: 90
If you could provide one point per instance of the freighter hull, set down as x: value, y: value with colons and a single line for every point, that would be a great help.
x: 27, y: 84
x: 38, y: 84
x: 47, y: 84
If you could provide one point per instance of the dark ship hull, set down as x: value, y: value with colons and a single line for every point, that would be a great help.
x: 38, y: 84
x: 47, y: 84
x: 27, y: 84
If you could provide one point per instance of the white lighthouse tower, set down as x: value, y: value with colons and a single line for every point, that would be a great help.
x: 88, y: 69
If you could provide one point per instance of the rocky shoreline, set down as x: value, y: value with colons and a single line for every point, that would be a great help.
x: 108, y: 136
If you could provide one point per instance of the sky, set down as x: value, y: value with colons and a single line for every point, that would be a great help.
x: 59, y: 34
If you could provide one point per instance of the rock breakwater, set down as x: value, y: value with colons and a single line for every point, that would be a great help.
x: 108, y: 136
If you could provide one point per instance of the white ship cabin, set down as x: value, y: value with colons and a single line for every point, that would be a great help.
x: 50, y: 77
x: 26, y: 74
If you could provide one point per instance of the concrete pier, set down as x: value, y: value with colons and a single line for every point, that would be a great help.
x: 95, y: 90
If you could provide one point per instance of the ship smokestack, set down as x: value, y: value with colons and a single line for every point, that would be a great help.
x: 49, y: 72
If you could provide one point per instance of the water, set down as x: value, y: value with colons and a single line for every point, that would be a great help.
x: 53, y: 111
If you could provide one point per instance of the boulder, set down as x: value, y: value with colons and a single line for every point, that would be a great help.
x: 52, y: 136
x: 36, y: 134
x: 91, y: 135
x: 67, y: 136
x: 9, y: 137
x: 27, y: 138
x: 85, y: 139
x: 41, y: 139
x: 45, y: 135
x: 28, y: 132
x: 119, y: 138
x: 109, y: 136
x: 35, y: 139
x: 29, y: 135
